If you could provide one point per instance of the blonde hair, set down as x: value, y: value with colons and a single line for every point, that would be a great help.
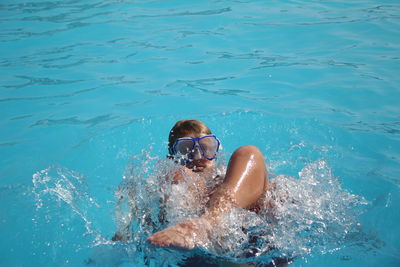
x: 185, y: 128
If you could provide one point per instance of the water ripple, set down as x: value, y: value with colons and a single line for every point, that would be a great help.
x: 8, y: 144
x: 333, y: 15
x: 201, y: 84
x: 392, y: 128
x: 21, y: 117
x: 32, y: 7
x: 187, y: 13
x: 132, y: 103
x: 254, y: 55
x: 68, y: 56
x: 75, y: 121
x: 39, y: 81
x: 272, y: 61
x: 63, y: 18
x: 232, y: 92
x: 69, y: 94
x: 48, y: 97
x: 207, y: 81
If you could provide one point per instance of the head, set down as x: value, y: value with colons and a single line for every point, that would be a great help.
x: 193, y: 129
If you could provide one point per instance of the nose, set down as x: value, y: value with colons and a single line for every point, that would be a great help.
x: 196, y: 154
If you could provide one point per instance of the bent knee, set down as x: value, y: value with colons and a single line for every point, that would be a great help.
x: 248, y: 150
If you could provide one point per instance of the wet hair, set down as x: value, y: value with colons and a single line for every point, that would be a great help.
x: 185, y: 128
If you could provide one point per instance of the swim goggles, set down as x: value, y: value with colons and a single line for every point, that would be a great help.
x: 208, y: 145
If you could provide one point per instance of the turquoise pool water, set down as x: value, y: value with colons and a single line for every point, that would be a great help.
x: 87, y: 85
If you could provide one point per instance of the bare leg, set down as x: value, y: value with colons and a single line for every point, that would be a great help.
x: 245, y: 181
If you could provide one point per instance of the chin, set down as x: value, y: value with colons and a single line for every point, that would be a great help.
x: 201, y: 168
x: 198, y: 168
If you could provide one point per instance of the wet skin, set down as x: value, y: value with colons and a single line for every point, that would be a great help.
x: 245, y: 181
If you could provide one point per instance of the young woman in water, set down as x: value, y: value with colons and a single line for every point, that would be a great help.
x: 245, y: 182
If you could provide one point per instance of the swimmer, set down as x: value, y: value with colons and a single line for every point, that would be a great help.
x: 245, y: 182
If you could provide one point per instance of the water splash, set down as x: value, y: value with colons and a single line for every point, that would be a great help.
x: 312, y: 214
x: 56, y: 185
x: 300, y: 216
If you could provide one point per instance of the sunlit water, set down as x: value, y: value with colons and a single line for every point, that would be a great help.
x: 90, y: 90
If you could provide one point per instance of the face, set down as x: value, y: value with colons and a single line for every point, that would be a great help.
x: 197, y: 162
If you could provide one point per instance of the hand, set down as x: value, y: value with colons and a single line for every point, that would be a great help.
x: 185, y: 235
x: 181, y: 174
